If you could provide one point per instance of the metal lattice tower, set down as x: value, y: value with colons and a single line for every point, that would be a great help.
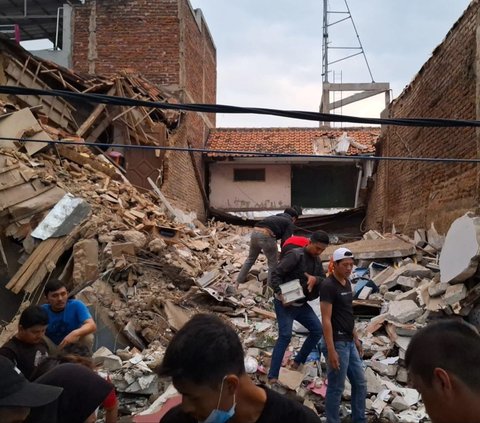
x: 366, y: 90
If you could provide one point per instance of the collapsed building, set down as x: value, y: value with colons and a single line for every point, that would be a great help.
x: 129, y: 249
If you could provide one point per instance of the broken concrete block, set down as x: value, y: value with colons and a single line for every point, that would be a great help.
x: 402, y: 375
x: 292, y: 379
x: 391, y: 295
x: 124, y: 248
x: 420, y: 237
x: 365, y: 292
x: 438, y: 289
x: 407, y: 281
x: 410, y: 270
x: 381, y: 277
x: 461, y: 252
x: 409, y: 295
x: 384, y: 369
x: 112, y: 363
x: 434, y: 239
x: 374, y: 384
x: 399, y: 404
x: 389, y: 415
x: 404, y: 311
x: 455, y: 293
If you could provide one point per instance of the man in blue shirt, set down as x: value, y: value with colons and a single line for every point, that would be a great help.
x: 69, y: 321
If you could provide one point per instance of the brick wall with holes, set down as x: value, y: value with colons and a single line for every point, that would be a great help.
x: 170, y: 44
x: 411, y: 194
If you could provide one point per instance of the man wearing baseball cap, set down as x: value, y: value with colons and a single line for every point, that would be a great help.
x: 340, y: 343
x: 18, y: 395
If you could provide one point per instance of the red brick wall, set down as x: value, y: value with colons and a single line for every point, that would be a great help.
x: 413, y: 194
x: 170, y: 45
x: 111, y: 35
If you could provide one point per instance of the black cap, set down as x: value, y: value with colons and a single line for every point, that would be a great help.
x: 16, y: 391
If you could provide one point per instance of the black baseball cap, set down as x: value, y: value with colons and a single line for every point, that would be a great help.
x: 17, y: 391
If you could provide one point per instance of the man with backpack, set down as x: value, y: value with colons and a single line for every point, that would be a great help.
x: 305, y: 265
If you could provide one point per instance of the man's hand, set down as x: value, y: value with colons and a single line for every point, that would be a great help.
x: 334, y: 360
x: 311, y: 282
x: 359, y: 346
x: 282, y: 299
x: 71, y: 338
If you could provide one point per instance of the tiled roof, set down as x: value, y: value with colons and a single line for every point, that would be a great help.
x: 315, y: 141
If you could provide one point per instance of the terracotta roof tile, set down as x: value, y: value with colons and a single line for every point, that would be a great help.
x: 319, y: 141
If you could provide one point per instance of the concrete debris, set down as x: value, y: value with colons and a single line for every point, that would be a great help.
x: 158, y: 266
x: 460, y: 255
x: 404, y: 311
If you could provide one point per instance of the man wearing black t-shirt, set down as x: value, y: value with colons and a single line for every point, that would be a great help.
x: 340, y: 343
x: 206, y: 363
x: 27, y: 348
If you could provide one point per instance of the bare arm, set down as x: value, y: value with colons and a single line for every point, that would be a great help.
x: 326, y: 310
x: 87, y: 328
x: 111, y: 414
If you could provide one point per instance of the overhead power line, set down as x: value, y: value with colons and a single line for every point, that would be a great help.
x: 218, y: 108
x: 248, y: 153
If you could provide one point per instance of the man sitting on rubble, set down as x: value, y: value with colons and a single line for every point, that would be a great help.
x: 340, y: 343
x: 305, y: 265
x: 27, y: 348
x: 442, y: 365
x: 206, y: 363
x: 69, y: 320
x: 264, y: 239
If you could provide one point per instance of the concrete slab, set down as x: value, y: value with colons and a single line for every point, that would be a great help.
x: 374, y: 248
x: 404, y: 311
x: 461, y: 252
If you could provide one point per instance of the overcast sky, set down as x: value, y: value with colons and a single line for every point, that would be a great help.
x: 269, y: 52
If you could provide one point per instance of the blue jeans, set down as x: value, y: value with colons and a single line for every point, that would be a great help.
x: 285, y: 317
x: 260, y: 242
x: 351, y: 367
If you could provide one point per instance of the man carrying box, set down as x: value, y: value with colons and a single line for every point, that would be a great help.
x: 304, y: 265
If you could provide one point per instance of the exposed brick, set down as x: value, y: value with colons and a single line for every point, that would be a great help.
x: 411, y: 195
x: 167, y: 42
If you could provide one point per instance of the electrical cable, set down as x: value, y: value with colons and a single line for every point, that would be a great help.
x: 219, y: 108
x: 248, y: 153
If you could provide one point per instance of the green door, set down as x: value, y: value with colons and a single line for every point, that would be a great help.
x: 325, y: 185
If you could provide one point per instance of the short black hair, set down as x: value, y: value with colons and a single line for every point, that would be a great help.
x: 32, y: 316
x: 452, y: 345
x: 298, y: 209
x: 203, y: 352
x: 291, y: 211
x: 320, y: 237
x: 53, y: 285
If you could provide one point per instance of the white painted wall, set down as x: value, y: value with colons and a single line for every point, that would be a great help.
x: 273, y: 193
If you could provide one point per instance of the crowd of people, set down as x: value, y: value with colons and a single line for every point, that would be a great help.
x: 48, y: 376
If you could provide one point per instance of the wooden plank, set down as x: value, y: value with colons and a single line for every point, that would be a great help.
x: 86, y: 125
x: 70, y: 154
x: 63, y: 244
x: 22, y: 192
x: 18, y: 281
x: 264, y: 313
x: 43, y: 201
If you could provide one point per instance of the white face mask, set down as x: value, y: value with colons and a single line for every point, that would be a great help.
x: 221, y: 416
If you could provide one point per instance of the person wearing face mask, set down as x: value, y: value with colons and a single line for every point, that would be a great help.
x: 206, y: 363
